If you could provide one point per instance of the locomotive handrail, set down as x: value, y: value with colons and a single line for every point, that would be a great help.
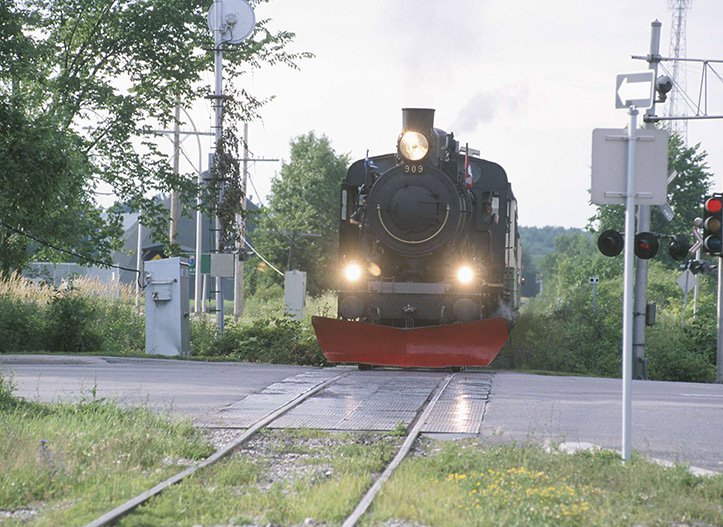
x: 381, y: 220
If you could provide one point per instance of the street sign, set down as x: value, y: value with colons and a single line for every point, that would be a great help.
x: 609, y: 166
x: 635, y: 89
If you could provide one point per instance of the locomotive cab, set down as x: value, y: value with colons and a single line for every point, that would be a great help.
x: 427, y: 239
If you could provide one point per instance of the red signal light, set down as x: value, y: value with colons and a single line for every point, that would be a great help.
x: 713, y: 205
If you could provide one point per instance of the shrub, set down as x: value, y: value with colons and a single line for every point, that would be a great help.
x: 72, y: 324
x: 274, y: 340
x: 21, y: 325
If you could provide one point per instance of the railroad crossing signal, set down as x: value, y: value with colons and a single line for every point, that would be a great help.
x: 712, y: 224
x: 610, y: 242
x: 646, y: 245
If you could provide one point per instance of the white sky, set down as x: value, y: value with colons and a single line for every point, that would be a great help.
x: 523, y: 81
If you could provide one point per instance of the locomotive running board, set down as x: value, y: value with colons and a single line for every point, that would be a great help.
x: 474, y: 343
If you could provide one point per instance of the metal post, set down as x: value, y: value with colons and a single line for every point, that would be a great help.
x: 695, y: 288
x: 218, y: 115
x: 175, y: 201
x: 139, y: 261
x: 641, y: 271
x: 198, y: 294
x: 719, y: 340
x: 238, y: 298
x: 628, y: 287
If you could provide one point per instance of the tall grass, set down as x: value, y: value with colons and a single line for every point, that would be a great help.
x: 85, y: 315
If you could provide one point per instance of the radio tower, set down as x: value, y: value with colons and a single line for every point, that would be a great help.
x: 678, y: 50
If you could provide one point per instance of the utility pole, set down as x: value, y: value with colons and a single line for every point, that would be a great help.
x: 238, y: 298
x: 640, y: 306
x: 175, y: 201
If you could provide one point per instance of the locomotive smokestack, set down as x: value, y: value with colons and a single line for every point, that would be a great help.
x: 418, y: 119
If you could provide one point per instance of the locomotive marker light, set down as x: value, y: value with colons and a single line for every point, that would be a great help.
x: 712, y: 224
x: 413, y: 146
x: 417, y: 131
x: 465, y: 274
x: 352, y: 272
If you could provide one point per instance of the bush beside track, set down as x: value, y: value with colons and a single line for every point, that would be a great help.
x: 90, y: 317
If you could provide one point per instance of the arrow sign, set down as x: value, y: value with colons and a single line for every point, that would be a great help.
x: 635, y: 89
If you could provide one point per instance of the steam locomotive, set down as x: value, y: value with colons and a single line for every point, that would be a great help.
x: 430, y: 255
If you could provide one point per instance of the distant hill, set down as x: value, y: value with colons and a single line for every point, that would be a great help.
x: 536, y: 243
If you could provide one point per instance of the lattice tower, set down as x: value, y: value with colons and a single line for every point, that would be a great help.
x: 678, y: 49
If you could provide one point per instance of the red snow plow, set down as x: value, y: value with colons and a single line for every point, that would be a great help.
x: 474, y: 343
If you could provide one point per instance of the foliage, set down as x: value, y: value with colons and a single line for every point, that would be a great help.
x: 299, y: 227
x: 677, y: 348
x: 83, y: 84
x: 269, y: 340
x: 536, y: 243
x: 80, y: 318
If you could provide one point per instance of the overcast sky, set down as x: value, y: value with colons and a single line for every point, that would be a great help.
x: 523, y: 81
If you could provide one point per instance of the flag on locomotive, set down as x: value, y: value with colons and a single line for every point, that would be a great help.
x: 430, y: 256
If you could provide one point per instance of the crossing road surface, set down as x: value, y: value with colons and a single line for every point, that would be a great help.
x: 671, y: 421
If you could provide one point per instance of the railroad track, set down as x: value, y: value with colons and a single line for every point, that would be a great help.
x: 414, y: 430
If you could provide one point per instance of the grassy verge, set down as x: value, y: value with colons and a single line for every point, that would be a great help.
x: 67, y: 464
x: 285, y: 477
x: 461, y: 484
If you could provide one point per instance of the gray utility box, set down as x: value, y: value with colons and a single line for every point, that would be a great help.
x: 167, y: 311
x: 295, y: 293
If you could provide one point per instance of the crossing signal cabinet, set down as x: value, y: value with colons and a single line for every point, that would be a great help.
x: 167, y: 307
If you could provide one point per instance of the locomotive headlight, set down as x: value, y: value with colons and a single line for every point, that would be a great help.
x: 352, y: 272
x: 465, y: 274
x: 413, y: 146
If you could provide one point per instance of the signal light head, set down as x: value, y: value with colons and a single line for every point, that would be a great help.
x: 610, y: 242
x: 679, y: 247
x: 713, y: 205
x: 646, y: 245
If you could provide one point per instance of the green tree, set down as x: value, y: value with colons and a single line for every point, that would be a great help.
x: 91, y: 79
x: 685, y: 195
x: 303, y: 212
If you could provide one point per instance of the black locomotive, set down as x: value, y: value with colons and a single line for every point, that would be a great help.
x: 427, y: 241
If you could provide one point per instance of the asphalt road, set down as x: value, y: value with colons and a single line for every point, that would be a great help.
x: 671, y: 421
x: 195, y: 389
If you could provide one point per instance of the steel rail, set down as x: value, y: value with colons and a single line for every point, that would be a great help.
x: 366, y: 501
x: 114, y: 515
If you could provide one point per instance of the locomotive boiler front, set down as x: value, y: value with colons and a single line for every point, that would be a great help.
x: 415, y: 213
x: 422, y: 255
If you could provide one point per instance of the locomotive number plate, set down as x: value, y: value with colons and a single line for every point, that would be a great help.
x: 413, y: 169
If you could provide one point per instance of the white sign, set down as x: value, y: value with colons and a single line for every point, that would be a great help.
x: 609, y: 166
x: 635, y: 89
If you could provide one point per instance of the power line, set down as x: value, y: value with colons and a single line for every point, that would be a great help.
x: 72, y: 253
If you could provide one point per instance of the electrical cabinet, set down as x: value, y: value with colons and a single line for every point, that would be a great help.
x: 167, y: 307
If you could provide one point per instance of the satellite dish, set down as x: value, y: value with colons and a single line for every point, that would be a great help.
x: 237, y: 20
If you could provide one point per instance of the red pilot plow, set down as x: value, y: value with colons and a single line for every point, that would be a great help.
x: 474, y: 343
